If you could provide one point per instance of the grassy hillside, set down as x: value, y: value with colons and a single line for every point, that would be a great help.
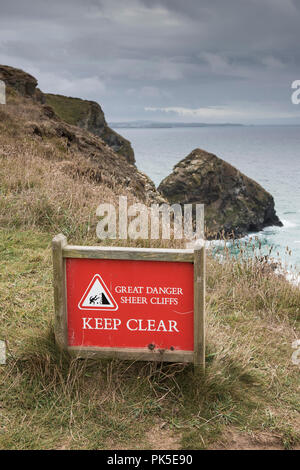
x: 249, y: 393
x: 70, y: 110
x: 249, y: 396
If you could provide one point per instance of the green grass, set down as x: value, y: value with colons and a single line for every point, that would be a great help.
x: 48, y: 400
x: 69, y: 109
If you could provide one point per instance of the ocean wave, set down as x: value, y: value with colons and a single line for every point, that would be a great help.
x: 282, y: 269
x: 289, y: 224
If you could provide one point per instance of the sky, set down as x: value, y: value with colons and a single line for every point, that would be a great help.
x: 162, y: 60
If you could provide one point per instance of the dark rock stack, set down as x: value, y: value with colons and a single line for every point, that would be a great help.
x: 234, y: 203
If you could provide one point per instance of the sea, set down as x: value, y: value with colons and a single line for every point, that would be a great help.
x: 268, y: 154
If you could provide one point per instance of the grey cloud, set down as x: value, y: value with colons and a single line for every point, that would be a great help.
x: 134, y: 54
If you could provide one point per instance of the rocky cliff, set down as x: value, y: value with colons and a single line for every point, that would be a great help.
x: 88, y: 115
x: 85, y: 114
x: 30, y: 123
x: 233, y: 202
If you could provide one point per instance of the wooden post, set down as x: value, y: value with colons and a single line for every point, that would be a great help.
x: 199, y: 309
x: 59, y: 284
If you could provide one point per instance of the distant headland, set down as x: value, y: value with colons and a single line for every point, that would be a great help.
x: 157, y: 124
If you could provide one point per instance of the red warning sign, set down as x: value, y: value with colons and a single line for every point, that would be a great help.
x: 130, y: 304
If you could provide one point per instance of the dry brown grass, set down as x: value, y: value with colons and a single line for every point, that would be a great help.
x: 43, y: 184
x: 38, y: 193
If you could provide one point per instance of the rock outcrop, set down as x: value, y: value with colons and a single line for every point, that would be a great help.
x: 88, y: 115
x: 24, y: 83
x: 234, y: 203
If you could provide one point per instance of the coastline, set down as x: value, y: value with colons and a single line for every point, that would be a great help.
x: 256, y: 150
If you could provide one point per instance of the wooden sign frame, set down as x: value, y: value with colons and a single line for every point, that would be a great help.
x: 61, y: 250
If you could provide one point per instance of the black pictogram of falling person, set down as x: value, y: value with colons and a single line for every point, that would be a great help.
x: 93, y: 299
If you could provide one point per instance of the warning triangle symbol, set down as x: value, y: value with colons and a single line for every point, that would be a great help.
x: 97, y: 296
